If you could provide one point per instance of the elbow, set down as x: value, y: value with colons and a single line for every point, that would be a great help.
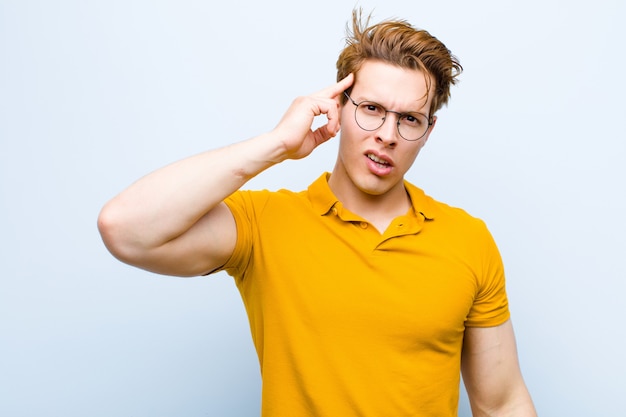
x: 514, y: 401
x: 116, y: 234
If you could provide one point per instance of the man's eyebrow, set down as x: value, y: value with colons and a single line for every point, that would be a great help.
x: 395, y: 111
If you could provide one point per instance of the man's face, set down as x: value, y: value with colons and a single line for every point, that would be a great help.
x: 375, y: 161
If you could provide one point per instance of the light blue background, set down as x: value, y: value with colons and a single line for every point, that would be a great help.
x: 94, y: 94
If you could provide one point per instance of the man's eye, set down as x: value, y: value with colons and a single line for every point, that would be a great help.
x: 373, y: 108
x: 409, y: 119
x: 416, y: 120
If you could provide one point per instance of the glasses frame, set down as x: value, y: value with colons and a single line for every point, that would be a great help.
x: 400, y: 116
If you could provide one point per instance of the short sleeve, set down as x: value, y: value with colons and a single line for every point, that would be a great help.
x: 241, y: 205
x: 491, y: 306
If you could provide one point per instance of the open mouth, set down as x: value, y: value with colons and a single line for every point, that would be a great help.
x: 378, y: 160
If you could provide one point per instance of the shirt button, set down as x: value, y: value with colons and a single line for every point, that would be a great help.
x: 364, y: 225
x: 335, y: 211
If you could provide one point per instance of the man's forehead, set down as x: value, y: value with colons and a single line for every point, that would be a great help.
x: 392, y: 85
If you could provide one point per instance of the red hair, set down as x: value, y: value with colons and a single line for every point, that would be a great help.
x: 398, y: 43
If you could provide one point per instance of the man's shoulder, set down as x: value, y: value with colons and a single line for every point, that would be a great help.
x: 433, y: 208
x: 258, y: 202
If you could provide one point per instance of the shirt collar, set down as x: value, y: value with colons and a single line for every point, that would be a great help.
x: 322, y: 198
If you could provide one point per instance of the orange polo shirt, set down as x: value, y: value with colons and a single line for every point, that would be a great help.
x: 347, y: 321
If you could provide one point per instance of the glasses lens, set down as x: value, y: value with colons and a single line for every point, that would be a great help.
x: 371, y: 116
x: 413, y: 126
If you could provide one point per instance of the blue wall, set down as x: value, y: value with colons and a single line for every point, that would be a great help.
x: 95, y: 94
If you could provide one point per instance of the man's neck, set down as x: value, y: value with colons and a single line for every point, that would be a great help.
x: 379, y: 210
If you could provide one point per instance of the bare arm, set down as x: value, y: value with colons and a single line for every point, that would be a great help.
x: 173, y: 221
x: 492, y: 374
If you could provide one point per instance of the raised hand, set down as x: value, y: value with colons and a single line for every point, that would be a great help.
x: 294, y: 129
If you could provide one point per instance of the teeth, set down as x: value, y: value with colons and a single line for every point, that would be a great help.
x: 377, y: 159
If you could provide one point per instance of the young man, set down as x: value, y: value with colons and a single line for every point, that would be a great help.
x: 365, y: 296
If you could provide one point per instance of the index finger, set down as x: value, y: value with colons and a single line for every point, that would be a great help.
x: 338, y: 88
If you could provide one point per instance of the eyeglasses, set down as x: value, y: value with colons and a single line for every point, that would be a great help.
x: 371, y: 116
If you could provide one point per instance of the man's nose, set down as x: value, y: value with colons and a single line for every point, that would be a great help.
x: 387, y: 133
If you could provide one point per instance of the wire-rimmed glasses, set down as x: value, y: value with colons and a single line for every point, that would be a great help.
x: 370, y: 116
